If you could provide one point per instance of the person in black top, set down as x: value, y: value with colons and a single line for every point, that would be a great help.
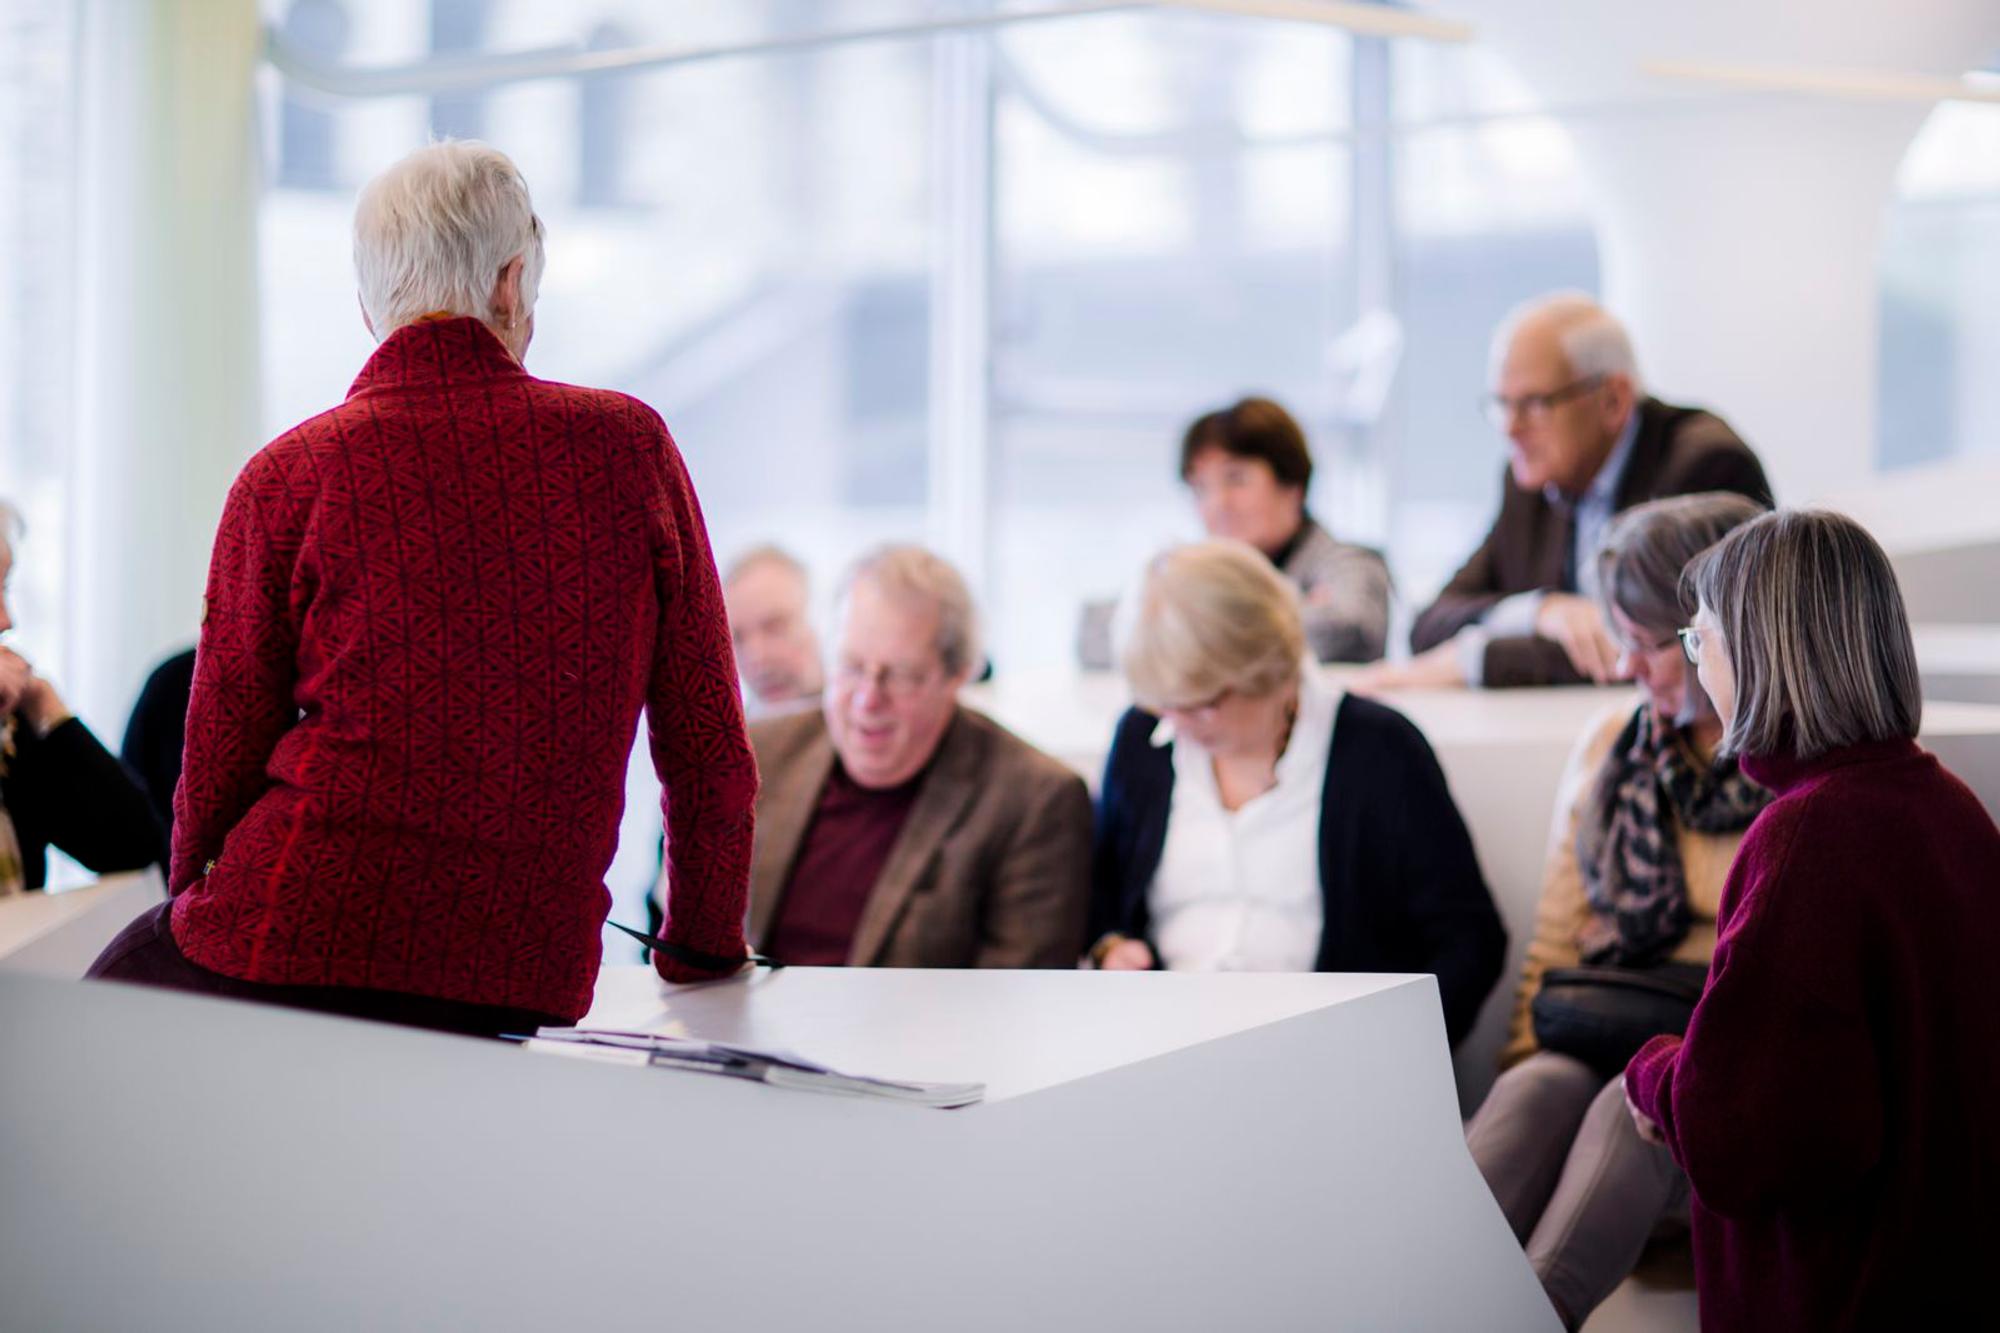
x: 157, y: 731
x: 58, y: 786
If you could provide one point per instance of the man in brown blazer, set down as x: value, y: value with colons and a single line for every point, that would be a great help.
x: 896, y: 828
x: 1584, y: 444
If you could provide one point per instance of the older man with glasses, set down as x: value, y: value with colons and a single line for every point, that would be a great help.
x: 897, y: 828
x: 1585, y: 443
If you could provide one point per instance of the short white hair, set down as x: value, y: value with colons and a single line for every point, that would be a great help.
x: 433, y: 231
x: 12, y: 525
x: 914, y: 576
x: 1593, y: 340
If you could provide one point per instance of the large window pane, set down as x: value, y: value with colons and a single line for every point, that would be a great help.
x: 744, y: 244
x: 759, y: 273
x: 1940, y: 334
x: 37, y: 296
x: 1490, y: 211
x: 1172, y: 233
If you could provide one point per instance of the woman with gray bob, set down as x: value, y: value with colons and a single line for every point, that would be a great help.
x: 1648, y: 817
x: 1832, y: 1101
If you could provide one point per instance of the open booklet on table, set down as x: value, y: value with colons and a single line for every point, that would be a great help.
x: 778, y: 1068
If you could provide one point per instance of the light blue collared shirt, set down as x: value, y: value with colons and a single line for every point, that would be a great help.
x: 1590, y: 514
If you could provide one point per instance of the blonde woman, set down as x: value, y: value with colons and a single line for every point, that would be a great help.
x: 1252, y: 819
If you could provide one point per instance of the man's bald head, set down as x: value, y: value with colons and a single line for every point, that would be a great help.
x: 1564, y: 382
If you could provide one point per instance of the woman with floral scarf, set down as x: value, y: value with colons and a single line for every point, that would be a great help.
x: 1647, y: 821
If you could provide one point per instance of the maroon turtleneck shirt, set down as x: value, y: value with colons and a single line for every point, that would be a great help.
x: 433, y: 616
x: 1836, y: 1101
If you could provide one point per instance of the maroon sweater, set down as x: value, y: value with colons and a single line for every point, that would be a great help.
x: 853, y: 831
x: 1836, y: 1102
x: 434, y: 614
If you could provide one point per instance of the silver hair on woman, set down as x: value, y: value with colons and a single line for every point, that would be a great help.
x: 1213, y: 617
x: 1647, y: 548
x: 1593, y: 340
x: 433, y: 232
x: 1643, y: 554
x: 1813, y: 622
x: 914, y: 576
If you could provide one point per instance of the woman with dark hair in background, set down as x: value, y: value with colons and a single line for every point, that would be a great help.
x: 1249, y: 469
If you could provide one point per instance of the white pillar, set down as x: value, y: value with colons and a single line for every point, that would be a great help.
x: 960, y: 483
x: 1741, y: 234
x: 167, y: 356
x: 1742, y: 245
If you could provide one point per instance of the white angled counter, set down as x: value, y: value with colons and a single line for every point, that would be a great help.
x: 60, y: 933
x: 1157, y: 1151
x: 1503, y: 751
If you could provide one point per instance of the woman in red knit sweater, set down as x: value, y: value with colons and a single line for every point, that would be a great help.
x: 1834, y: 1099
x: 433, y: 616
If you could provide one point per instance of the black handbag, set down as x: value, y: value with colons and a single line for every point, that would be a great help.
x: 1603, y: 1015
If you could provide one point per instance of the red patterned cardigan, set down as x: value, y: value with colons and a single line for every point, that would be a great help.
x: 434, y: 614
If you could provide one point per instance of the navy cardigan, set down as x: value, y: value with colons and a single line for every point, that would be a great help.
x: 1402, y: 887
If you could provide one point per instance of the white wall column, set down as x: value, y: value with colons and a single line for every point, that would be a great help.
x: 1741, y: 233
x: 961, y: 481
x: 167, y: 357
x: 1743, y: 246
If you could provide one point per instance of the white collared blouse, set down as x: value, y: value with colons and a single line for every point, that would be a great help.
x: 1239, y: 890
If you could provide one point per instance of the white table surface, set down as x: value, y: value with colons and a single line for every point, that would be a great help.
x: 1164, y: 1152
x: 1016, y: 1032
x: 60, y: 933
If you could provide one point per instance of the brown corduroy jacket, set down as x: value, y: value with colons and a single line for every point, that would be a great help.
x: 991, y: 867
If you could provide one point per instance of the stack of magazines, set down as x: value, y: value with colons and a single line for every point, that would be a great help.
x: 778, y: 1068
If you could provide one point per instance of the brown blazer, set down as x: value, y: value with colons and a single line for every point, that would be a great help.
x: 991, y: 868
x: 1678, y: 451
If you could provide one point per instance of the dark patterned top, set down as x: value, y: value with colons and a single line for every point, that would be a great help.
x: 433, y: 616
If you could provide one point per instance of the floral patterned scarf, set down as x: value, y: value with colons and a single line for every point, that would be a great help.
x: 1626, y: 842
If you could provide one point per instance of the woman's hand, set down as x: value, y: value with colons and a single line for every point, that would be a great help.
x: 25, y: 693
x: 17, y: 677
x: 15, y: 674
x: 1649, y: 1128
x: 1126, y: 956
x: 1577, y: 624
